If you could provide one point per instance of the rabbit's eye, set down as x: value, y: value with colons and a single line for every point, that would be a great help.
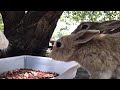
x: 84, y: 27
x: 58, y: 44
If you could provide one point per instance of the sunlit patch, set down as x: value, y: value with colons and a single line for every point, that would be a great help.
x: 102, y: 35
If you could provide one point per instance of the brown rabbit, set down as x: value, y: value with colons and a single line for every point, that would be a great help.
x: 98, y: 53
x: 106, y: 27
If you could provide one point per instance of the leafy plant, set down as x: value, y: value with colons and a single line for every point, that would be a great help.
x: 74, y: 18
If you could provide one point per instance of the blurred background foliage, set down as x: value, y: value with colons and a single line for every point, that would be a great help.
x: 1, y: 24
x: 69, y: 20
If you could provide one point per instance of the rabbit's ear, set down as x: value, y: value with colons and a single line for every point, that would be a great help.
x: 85, y: 36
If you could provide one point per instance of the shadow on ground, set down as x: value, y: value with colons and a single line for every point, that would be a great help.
x: 82, y: 74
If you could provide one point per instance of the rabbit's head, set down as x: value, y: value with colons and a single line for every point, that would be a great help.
x: 3, y: 41
x: 65, y: 47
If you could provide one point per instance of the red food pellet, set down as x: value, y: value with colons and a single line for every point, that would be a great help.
x: 27, y: 74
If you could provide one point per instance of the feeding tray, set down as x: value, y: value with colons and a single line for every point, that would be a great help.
x: 66, y: 70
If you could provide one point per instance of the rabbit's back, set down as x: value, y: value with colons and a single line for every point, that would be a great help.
x: 102, y: 52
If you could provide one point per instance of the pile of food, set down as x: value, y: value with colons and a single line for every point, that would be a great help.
x: 27, y: 74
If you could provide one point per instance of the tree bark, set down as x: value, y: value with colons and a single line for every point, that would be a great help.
x: 30, y: 33
x: 11, y: 19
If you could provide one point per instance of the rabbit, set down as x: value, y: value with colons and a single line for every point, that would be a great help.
x: 4, y: 43
x: 97, y: 53
x: 106, y: 27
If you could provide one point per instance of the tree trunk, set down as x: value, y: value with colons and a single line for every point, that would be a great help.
x: 11, y: 19
x: 30, y: 33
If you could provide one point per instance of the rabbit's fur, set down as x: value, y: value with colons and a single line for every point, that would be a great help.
x: 3, y: 42
x: 98, y: 53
